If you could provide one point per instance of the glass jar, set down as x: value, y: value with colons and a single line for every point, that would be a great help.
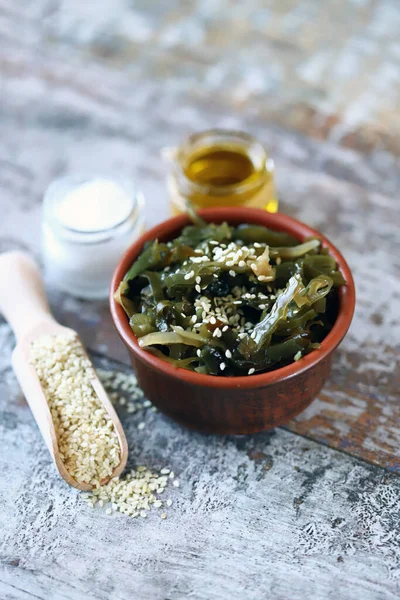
x: 88, y: 223
x: 221, y: 168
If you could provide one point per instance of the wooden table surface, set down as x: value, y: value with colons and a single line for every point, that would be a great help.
x: 310, y: 510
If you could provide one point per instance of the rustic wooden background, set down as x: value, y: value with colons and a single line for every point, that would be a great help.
x: 310, y: 511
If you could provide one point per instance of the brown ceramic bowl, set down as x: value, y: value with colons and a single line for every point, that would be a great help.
x: 233, y: 405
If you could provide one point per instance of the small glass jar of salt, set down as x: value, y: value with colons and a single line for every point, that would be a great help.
x: 88, y: 223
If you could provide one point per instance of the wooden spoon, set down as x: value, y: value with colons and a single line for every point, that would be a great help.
x: 23, y: 303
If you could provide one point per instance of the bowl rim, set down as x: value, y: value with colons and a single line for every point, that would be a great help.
x: 276, y: 221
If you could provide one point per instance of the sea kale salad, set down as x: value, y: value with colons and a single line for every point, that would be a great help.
x: 231, y: 301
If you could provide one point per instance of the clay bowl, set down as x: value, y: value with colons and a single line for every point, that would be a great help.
x: 233, y: 405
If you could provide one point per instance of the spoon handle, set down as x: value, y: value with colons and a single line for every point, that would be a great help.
x: 23, y: 300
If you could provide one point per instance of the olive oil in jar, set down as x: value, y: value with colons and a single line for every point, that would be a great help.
x: 222, y: 168
x: 219, y: 168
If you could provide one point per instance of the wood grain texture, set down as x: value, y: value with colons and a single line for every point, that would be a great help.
x: 105, y: 85
x: 271, y: 515
x: 87, y: 88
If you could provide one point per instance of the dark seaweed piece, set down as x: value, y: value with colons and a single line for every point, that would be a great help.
x: 250, y: 234
x: 142, y: 324
x: 212, y: 358
x: 153, y: 256
x: 193, y: 235
x: 322, y: 264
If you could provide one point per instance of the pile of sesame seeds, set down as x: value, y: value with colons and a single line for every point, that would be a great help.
x: 134, y: 494
x: 87, y: 441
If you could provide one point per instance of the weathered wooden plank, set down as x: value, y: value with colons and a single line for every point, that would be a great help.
x: 105, y: 87
x: 270, y: 515
x: 327, y: 70
x: 358, y: 410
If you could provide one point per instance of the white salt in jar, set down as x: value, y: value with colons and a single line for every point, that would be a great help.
x: 88, y: 223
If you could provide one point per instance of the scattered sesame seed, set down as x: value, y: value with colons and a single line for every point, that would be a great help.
x: 213, y: 320
x: 278, y: 260
x: 197, y: 288
x: 228, y: 354
x: 164, y: 516
x: 198, y: 279
x: 251, y: 371
x: 134, y: 495
x: 232, y: 273
x: 298, y: 355
x: 169, y: 502
x: 141, y: 426
x: 193, y: 319
x: 176, y: 482
x: 222, y: 367
x: 225, y: 328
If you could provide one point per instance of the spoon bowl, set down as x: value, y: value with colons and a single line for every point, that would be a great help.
x: 27, y: 311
